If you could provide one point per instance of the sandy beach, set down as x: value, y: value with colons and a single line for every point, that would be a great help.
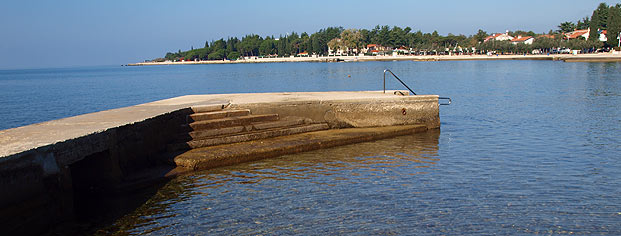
x: 600, y: 57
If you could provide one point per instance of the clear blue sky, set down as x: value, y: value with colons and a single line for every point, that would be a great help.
x: 66, y: 33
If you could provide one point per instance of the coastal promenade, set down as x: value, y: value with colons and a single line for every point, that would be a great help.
x: 599, y: 57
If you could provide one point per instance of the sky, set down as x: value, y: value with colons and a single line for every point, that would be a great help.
x: 70, y: 33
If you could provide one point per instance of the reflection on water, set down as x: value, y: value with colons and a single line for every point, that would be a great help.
x: 357, y: 185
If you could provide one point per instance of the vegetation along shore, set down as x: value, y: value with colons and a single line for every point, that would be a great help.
x: 591, y: 38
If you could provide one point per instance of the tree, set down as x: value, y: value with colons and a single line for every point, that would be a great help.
x: 614, y: 25
x: 599, y: 21
x: 382, y: 35
x: 566, y: 26
x: 545, y: 44
x: 233, y: 55
x: 603, y: 15
x: 217, y: 45
x: 396, y: 37
x: 217, y: 55
x: 583, y: 24
x: 351, y: 38
x: 335, y: 44
x: 249, y: 45
x: 480, y: 36
x: 267, y: 47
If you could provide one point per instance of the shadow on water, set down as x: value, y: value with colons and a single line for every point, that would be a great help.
x: 97, y: 209
x: 217, y: 200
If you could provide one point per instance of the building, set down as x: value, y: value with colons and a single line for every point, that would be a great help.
x: 578, y: 34
x: 524, y: 40
x: 337, y: 51
x: 584, y: 34
x: 603, y: 35
x: 374, y: 49
x: 499, y: 37
x: 402, y: 50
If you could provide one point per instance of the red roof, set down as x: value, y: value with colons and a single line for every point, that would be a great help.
x: 303, y: 53
x: 371, y: 45
x: 605, y: 32
x: 493, y: 36
x: 521, y: 39
x: 576, y: 33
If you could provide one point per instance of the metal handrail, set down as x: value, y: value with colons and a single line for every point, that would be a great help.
x: 393, y: 74
x: 445, y: 98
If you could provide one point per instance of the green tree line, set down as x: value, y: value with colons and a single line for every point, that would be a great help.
x: 604, y: 17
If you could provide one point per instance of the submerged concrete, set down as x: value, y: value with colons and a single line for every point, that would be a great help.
x: 43, y: 166
x: 210, y: 157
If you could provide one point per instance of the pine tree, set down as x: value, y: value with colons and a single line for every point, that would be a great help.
x: 599, y: 20
x: 614, y: 25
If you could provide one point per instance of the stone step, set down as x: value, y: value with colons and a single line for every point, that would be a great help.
x: 229, y: 122
x: 202, y: 134
x: 216, y: 115
x: 208, y: 108
x: 230, y: 154
x: 247, y: 136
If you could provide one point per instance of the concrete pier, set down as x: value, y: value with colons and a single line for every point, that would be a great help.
x: 43, y: 166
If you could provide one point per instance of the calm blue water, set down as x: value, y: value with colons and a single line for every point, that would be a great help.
x: 528, y: 147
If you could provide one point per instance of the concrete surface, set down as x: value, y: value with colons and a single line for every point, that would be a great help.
x: 215, y: 156
x: 25, y: 138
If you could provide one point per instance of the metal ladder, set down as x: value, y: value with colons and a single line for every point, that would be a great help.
x: 412, y: 91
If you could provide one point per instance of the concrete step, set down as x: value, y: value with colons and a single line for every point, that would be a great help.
x: 216, y: 115
x: 229, y: 122
x: 202, y: 134
x: 230, y: 154
x: 208, y: 108
x: 247, y: 136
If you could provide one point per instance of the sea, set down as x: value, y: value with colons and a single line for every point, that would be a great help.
x: 526, y: 147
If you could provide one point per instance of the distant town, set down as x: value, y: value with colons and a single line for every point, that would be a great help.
x: 596, y: 34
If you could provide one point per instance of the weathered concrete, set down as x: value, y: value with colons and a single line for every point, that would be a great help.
x: 217, y: 115
x: 210, y: 157
x: 42, y: 165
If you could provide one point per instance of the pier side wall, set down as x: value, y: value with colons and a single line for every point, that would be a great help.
x: 38, y: 186
x: 358, y: 113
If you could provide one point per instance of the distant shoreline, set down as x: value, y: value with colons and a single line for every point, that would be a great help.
x: 600, y: 57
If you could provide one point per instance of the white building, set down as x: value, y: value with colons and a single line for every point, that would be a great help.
x: 524, y: 40
x: 499, y: 37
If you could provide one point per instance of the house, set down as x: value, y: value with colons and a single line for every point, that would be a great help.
x: 578, y: 34
x: 303, y: 54
x: 524, y: 40
x: 603, y: 35
x: 374, y: 49
x: 402, y: 50
x: 499, y: 37
x: 585, y: 34
x: 337, y: 51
